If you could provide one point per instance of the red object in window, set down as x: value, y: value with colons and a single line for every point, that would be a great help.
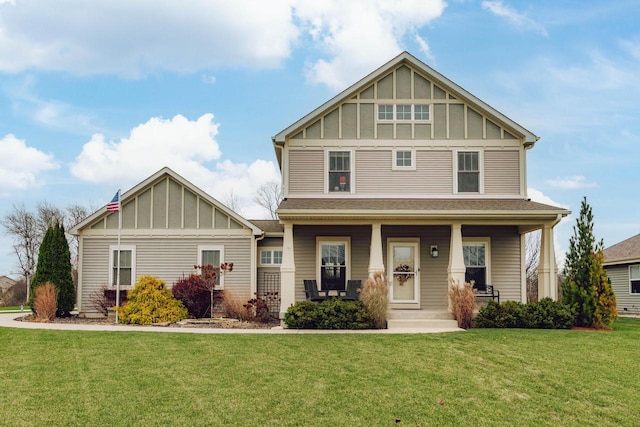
x: 343, y: 180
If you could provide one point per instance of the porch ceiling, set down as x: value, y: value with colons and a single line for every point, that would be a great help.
x: 424, y: 209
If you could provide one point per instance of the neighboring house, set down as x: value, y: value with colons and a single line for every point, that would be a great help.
x: 403, y: 172
x: 622, y: 264
x: 408, y: 173
x: 168, y: 226
x: 6, y: 283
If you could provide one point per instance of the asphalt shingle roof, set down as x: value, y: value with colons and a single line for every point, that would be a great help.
x: 626, y: 250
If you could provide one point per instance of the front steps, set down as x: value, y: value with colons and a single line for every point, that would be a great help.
x: 420, y: 319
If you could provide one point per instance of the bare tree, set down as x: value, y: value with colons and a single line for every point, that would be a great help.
x: 74, y: 214
x: 22, y: 225
x: 48, y: 216
x: 232, y: 202
x: 269, y: 196
x: 532, y: 248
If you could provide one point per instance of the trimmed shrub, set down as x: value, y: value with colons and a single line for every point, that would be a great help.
x: 375, y: 297
x: 151, y: 302
x: 333, y: 313
x: 301, y: 315
x: 195, y: 295
x: 463, y: 302
x: 44, y: 302
x: 544, y: 314
x: 548, y: 314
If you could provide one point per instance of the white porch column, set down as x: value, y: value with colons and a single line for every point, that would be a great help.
x: 456, y: 269
x: 287, y: 271
x: 547, y: 277
x: 376, y: 260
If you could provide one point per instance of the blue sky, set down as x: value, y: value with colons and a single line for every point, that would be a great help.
x: 96, y: 96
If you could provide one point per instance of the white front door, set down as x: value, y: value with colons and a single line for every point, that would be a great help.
x: 404, y: 271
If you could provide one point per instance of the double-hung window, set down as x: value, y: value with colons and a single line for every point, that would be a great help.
x: 476, y: 261
x: 634, y: 279
x: 339, y: 171
x: 333, y: 261
x: 468, y: 172
x: 213, y: 256
x: 127, y: 260
x: 270, y: 257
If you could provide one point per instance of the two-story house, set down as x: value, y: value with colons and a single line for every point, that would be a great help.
x: 403, y: 172
x: 408, y: 173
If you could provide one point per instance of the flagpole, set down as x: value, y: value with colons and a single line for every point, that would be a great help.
x: 118, y: 257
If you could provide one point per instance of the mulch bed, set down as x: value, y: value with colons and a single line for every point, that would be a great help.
x: 217, y: 323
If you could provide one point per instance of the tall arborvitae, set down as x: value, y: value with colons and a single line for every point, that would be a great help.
x: 54, y: 265
x: 586, y: 287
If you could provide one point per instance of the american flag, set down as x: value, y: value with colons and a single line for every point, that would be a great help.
x: 114, y: 204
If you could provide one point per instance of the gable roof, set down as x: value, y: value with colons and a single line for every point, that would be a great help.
x: 623, y: 252
x: 149, y: 181
x: 405, y: 57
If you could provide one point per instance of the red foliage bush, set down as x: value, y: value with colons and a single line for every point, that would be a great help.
x: 195, y: 296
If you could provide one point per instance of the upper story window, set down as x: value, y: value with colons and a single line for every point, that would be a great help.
x: 339, y: 171
x: 634, y: 279
x: 468, y: 172
x: 404, y: 159
x: 404, y: 112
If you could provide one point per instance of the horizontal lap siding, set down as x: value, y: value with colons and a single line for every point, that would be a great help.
x: 505, y: 258
x: 306, y: 171
x: 619, y: 276
x: 502, y: 172
x: 170, y: 259
x: 375, y: 174
x: 304, y: 242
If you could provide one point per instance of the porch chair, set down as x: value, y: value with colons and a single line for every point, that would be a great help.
x: 352, y: 294
x: 312, y: 293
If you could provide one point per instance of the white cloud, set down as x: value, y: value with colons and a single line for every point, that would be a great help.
x: 571, y: 182
x: 183, y: 145
x: 133, y: 38
x: 540, y: 197
x: 21, y: 165
x: 359, y: 35
x: 520, y: 20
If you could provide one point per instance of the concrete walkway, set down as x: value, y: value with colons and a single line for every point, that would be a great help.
x: 7, y: 320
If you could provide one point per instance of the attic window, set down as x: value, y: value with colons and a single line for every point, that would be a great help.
x: 404, y: 112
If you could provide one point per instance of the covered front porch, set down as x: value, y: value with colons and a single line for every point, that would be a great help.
x: 419, y: 260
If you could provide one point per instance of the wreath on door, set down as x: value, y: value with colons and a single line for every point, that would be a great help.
x: 401, y: 273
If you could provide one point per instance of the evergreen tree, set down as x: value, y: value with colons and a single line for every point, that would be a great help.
x: 586, y: 287
x: 54, y: 265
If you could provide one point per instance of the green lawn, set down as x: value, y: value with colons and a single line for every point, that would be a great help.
x: 476, y: 378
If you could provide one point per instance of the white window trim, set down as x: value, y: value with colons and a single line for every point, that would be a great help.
x: 347, y: 255
x: 630, y: 279
x: 395, y: 118
x: 352, y: 171
x: 212, y: 248
x: 480, y: 171
x: 268, y: 249
x: 112, y: 250
x: 487, y: 252
x: 394, y: 165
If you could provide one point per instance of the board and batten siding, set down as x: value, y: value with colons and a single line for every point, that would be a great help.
x: 619, y: 276
x: 169, y: 258
x: 356, y: 117
x: 502, y: 172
